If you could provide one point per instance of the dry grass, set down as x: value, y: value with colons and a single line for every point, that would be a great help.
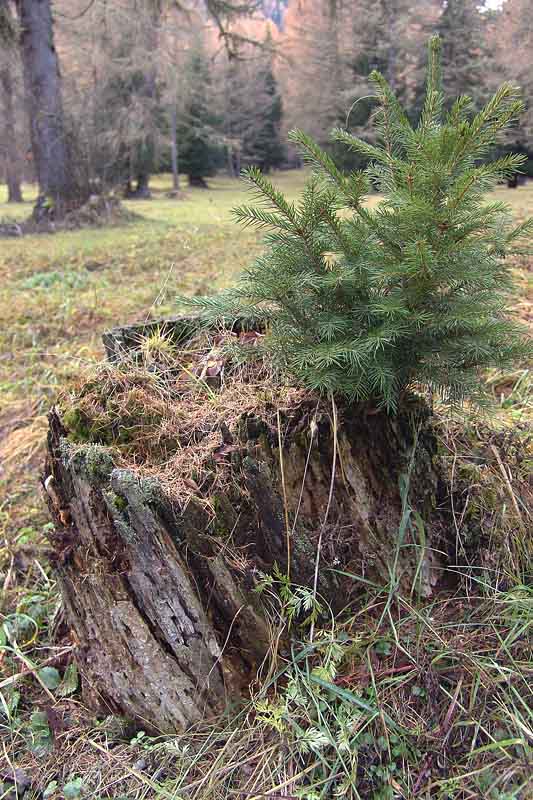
x: 173, y: 413
x: 450, y: 680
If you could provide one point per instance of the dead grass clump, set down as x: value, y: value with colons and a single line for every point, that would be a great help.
x: 99, y: 211
x: 178, y: 415
x: 491, y: 496
x: 72, y: 752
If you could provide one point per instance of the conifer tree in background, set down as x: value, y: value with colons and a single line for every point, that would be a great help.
x: 374, y: 302
x: 511, y: 40
x: 265, y: 147
x: 127, y: 119
x: 464, y: 60
x: 200, y: 154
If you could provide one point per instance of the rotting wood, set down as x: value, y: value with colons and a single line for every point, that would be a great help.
x: 161, y: 597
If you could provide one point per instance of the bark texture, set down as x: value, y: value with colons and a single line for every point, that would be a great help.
x: 53, y: 164
x: 11, y: 154
x: 160, y: 594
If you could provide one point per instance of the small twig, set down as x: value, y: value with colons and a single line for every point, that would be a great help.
x: 330, y: 498
x: 446, y: 724
x: 161, y: 291
x: 8, y: 579
x: 383, y: 673
x: 219, y: 658
x: 32, y: 670
x: 285, y: 507
x: 255, y: 796
x: 443, y: 731
x: 313, y: 427
x: 76, y: 16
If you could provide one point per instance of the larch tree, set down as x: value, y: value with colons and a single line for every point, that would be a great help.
x: 331, y: 47
x: 266, y: 147
x: 173, y: 52
x: 312, y: 75
x: 148, y: 94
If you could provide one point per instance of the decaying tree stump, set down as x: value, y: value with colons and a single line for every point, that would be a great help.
x: 159, y: 591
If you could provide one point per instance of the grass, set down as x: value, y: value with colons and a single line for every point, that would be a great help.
x: 403, y: 700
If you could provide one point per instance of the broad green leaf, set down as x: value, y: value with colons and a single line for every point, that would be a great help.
x: 50, y: 677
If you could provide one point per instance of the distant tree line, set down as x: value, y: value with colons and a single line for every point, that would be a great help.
x: 110, y: 93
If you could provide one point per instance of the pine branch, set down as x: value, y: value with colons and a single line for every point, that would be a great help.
x: 434, y: 102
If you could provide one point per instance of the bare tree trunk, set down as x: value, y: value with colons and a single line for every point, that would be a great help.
x: 229, y: 159
x: 143, y: 185
x: 174, y: 148
x: 12, y: 159
x: 55, y: 173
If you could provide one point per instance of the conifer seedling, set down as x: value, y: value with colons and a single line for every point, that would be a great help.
x: 370, y: 302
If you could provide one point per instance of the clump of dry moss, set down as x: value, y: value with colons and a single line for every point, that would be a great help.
x: 175, y: 414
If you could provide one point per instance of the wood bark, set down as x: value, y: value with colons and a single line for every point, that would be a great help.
x: 198, y: 182
x: 53, y: 164
x: 174, y: 148
x: 12, y: 157
x: 161, y: 594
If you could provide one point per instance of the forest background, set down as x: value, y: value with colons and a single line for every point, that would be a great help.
x: 153, y: 87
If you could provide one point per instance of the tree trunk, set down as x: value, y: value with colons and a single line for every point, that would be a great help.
x: 55, y: 173
x: 198, y: 182
x: 160, y: 593
x: 142, y: 189
x: 12, y: 160
x: 230, y: 162
x: 144, y: 163
x: 174, y: 148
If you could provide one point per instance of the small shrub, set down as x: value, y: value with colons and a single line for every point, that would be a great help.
x: 369, y: 302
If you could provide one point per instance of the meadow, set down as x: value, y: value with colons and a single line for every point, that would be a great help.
x: 58, y: 294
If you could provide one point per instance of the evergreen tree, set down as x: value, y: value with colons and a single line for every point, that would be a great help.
x: 372, y: 302
x: 461, y: 29
x: 251, y: 109
x: 264, y: 146
x: 200, y: 154
x: 511, y: 37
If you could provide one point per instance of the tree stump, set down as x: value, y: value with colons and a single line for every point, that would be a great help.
x: 159, y: 589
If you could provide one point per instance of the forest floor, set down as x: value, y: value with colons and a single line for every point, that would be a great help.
x: 58, y: 293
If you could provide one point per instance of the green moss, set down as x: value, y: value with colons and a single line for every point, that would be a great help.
x: 224, y: 519
x: 117, y: 505
x: 77, y: 425
x: 120, y: 502
x: 98, y: 462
